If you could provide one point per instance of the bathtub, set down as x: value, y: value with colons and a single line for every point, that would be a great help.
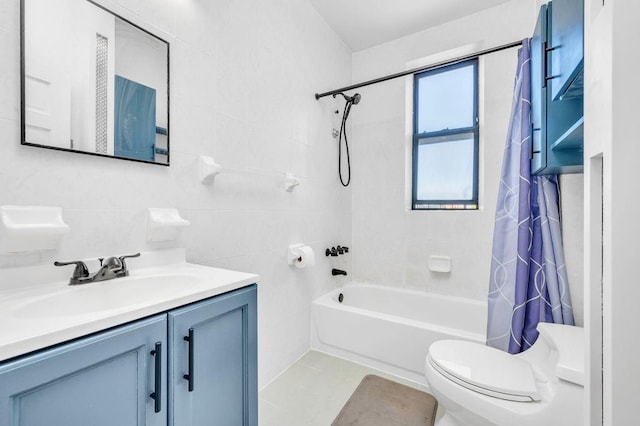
x: 390, y: 328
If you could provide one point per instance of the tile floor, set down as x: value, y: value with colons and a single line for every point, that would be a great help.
x: 313, y: 390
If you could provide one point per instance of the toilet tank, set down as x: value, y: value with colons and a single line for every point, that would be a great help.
x: 567, y: 342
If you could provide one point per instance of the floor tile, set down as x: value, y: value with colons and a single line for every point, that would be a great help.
x: 313, y: 390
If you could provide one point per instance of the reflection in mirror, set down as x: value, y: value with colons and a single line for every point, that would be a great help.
x: 93, y: 82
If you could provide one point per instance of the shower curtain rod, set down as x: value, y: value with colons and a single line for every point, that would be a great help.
x: 420, y: 69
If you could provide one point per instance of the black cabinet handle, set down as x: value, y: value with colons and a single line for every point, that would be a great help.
x: 532, y: 152
x: 544, y: 64
x: 545, y: 51
x: 156, y: 395
x: 189, y: 376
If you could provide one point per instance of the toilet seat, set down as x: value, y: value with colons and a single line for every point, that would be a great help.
x: 485, y: 370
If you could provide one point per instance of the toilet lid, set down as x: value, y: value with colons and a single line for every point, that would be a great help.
x: 484, y: 369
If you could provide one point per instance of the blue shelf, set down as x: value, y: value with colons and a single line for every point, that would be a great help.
x: 573, y: 138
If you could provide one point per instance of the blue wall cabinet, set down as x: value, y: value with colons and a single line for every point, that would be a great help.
x: 567, y: 49
x: 557, y: 144
x: 102, y: 380
x: 213, y: 362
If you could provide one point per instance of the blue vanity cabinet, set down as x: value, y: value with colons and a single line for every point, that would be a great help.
x: 101, y: 380
x: 567, y: 49
x: 213, y: 362
x: 557, y: 136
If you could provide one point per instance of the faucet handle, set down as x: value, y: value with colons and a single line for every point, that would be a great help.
x: 81, y: 270
x: 128, y: 256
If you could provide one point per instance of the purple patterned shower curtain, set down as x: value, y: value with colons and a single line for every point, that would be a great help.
x: 528, y: 275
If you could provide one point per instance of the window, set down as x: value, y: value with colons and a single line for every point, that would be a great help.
x: 445, y: 138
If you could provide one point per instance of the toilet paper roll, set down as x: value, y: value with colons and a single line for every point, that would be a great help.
x: 305, y: 257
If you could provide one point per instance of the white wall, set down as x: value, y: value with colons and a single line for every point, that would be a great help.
x: 598, y: 127
x: 391, y: 243
x: 243, y: 74
x: 611, y: 112
x: 572, y: 205
x: 143, y: 59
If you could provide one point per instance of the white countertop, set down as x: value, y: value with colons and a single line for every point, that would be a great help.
x: 34, y: 315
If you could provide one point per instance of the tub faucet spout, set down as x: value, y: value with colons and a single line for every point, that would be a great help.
x: 338, y: 272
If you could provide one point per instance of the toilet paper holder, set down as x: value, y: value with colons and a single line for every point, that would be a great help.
x: 294, y: 255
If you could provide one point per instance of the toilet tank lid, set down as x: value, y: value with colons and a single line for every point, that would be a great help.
x: 569, y: 342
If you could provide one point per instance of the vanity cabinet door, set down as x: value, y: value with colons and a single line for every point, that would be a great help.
x: 102, y: 380
x: 213, y: 362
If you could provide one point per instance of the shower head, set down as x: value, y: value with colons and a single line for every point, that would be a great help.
x: 351, y: 99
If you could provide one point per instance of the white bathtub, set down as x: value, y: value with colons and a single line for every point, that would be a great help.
x: 390, y: 328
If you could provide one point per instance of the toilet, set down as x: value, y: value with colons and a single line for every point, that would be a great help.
x: 479, y: 385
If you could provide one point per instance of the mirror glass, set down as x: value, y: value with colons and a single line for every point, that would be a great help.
x: 93, y: 82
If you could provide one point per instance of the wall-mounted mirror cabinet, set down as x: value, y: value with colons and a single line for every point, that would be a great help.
x: 93, y: 82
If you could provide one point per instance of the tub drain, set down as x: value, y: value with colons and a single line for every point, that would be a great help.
x: 340, y: 297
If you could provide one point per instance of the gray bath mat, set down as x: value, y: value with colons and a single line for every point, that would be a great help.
x: 381, y: 402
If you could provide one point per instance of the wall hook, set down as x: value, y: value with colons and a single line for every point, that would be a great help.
x: 209, y: 169
x: 290, y: 181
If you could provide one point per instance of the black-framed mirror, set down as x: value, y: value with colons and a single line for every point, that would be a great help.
x: 93, y: 82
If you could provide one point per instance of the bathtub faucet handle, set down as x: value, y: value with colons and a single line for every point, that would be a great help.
x: 331, y: 252
x: 335, y: 272
x: 336, y: 251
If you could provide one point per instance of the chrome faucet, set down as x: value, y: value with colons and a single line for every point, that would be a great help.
x: 110, y: 268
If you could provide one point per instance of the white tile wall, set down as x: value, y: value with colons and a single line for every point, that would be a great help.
x: 572, y: 198
x: 243, y: 75
x: 391, y: 244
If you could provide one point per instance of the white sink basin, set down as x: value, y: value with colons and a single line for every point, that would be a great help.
x: 115, y: 294
x: 38, y: 309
